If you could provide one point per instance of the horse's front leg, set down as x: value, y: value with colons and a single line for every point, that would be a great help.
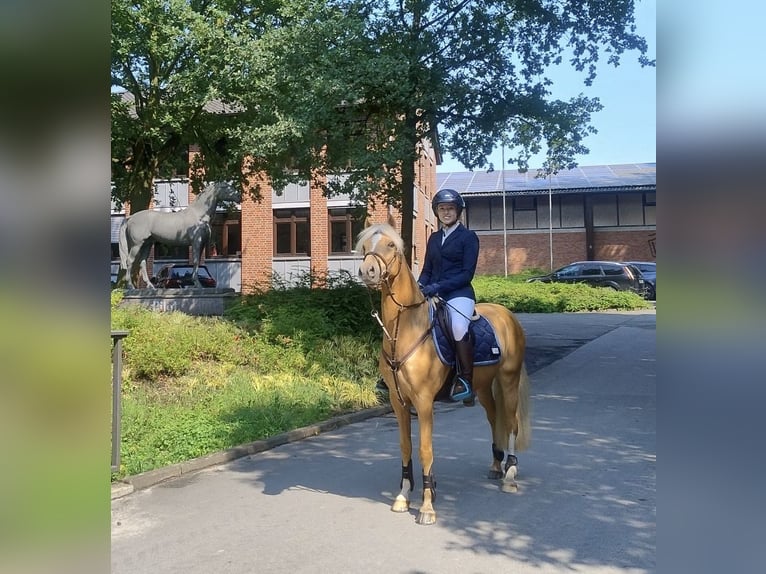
x: 407, y: 482
x: 427, y: 514
x: 145, y: 275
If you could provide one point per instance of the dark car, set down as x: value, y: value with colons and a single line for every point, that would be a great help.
x: 619, y: 276
x: 649, y: 271
x: 179, y: 276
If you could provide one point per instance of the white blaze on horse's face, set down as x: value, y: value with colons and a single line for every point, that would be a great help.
x: 379, y: 252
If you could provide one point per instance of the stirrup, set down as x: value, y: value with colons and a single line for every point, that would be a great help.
x: 465, y: 394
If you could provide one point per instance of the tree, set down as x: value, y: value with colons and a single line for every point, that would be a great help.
x: 474, y: 69
x: 350, y: 89
x: 205, y: 73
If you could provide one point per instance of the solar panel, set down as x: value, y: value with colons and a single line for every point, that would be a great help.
x: 585, y: 177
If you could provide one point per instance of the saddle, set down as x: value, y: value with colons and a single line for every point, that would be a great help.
x: 486, y: 349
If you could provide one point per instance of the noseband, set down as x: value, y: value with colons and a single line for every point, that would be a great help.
x: 385, y: 274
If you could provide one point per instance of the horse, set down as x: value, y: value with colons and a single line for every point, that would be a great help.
x: 190, y: 226
x: 414, y: 374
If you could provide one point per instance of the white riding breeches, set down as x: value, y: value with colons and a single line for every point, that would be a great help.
x: 460, y: 312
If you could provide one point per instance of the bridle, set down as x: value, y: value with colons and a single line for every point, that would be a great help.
x: 386, y: 277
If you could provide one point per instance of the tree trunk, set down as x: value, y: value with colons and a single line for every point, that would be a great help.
x: 408, y: 187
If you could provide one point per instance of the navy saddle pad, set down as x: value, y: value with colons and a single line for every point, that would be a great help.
x: 486, y: 350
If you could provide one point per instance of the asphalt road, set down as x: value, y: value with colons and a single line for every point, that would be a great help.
x: 586, y: 499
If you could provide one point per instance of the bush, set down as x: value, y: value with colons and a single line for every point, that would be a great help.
x: 168, y: 344
x: 276, y: 361
x: 522, y: 297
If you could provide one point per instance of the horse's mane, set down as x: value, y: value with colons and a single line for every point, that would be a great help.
x: 383, y: 229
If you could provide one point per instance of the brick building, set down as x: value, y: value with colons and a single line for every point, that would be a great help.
x: 598, y: 212
x: 289, y: 233
x: 602, y: 212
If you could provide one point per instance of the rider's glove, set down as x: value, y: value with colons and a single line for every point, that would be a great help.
x: 430, y: 290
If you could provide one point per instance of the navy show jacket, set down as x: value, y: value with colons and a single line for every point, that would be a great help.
x: 453, y: 264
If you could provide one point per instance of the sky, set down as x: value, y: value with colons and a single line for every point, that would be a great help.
x: 627, y: 123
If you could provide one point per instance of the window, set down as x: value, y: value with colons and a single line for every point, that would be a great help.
x: 605, y: 210
x: 291, y: 232
x: 496, y: 213
x: 570, y: 271
x: 165, y: 251
x: 613, y: 270
x: 477, y: 214
x: 630, y: 209
x: 225, y: 238
x: 524, y: 212
x: 345, y: 225
x: 572, y: 210
x: 591, y: 270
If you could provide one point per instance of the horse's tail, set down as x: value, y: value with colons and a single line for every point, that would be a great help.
x: 524, y: 432
x: 124, y: 245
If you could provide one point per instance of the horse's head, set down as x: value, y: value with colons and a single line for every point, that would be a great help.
x: 226, y: 192
x: 383, y: 250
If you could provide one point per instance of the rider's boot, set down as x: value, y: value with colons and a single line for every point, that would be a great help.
x: 462, y: 389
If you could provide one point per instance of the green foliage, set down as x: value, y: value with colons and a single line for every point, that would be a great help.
x: 168, y: 344
x: 365, y: 82
x: 276, y: 361
x: 521, y: 297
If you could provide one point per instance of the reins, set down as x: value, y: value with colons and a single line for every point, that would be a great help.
x: 395, y: 364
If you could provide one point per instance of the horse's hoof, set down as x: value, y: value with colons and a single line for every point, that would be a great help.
x: 400, y: 505
x: 509, y: 482
x: 494, y: 475
x: 426, y: 518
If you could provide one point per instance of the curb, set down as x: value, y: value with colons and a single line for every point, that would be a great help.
x: 149, y: 478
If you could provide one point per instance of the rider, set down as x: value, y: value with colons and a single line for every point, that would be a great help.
x: 450, y: 263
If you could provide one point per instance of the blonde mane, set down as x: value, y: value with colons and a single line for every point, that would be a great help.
x: 382, y: 229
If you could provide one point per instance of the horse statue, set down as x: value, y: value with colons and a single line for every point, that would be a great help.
x: 190, y: 226
x: 414, y: 373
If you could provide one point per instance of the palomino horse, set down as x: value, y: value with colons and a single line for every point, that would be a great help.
x: 414, y: 373
x: 190, y: 226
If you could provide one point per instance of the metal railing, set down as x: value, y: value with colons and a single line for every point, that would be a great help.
x: 117, y: 337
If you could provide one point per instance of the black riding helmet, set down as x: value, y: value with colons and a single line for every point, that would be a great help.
x: 448, y: 196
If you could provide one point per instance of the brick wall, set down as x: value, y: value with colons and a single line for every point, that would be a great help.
x: 624, y: 245
x: 532, y: 250
x: 319, y: 226
x: 257, y: 236
x: 528, y: 251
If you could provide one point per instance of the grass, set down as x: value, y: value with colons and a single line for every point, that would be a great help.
x: 276, y: 361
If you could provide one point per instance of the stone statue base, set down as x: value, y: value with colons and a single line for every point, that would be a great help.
x: 192, y: 300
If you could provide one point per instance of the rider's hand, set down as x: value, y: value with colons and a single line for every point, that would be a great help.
x: 430, y: 290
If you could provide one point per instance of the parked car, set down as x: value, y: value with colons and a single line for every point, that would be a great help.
x: 649, y: 270
x: 619, y: 276
x: 179, y: 276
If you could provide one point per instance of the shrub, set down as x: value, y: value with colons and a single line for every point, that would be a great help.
x: 277, y: 360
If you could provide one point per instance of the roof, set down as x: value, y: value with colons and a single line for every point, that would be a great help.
x: 213, y: 106
x: 589, y: 178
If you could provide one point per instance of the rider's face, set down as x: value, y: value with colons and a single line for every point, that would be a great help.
x: 447, y: 213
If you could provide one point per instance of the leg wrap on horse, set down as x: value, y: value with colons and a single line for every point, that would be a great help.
x: 429, y: 482
x: 498, y: 454
x: 511, y: 461
x: 407, y: 473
